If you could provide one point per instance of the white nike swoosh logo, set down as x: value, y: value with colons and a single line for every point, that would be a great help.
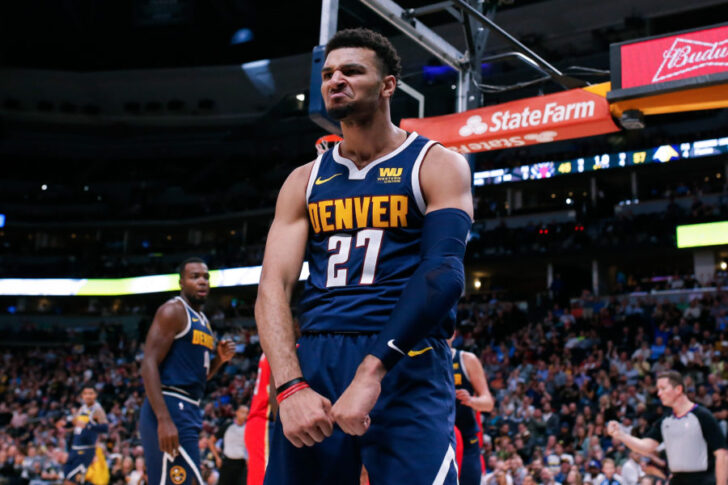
x: 391, y: 345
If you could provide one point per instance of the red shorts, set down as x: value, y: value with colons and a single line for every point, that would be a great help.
x: 257, y: 436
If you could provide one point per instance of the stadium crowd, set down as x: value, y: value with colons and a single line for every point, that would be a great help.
x: 558, y: 375
x: 40, y: 390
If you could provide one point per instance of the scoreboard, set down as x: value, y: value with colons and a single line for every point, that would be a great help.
x: 660, y: 154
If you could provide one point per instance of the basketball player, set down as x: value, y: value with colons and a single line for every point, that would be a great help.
x: 695, y: 446
x: 88, y: 422
x: 473, y: 397
x: 259, y: 427
x: 383, y: 217
x: 175, y: 368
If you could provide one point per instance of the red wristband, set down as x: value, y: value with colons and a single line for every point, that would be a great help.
x: 290, y: 391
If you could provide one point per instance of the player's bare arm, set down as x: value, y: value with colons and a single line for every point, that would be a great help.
x: 482, y: 400
x: 721, y: 467
x: 305, y: 414
x: 643, y: 446
x: 223, y: 353
x: 445, y: 183
x: 169, y: 320
x: 215, y: 452
x: 100, y: 415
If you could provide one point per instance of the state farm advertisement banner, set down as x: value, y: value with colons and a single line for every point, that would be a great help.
x: 570, y: 114
x: 651, y: 63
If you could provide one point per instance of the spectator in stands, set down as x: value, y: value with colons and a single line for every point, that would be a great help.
x: 534, y: 377
x: 573, y: 477
x: 631, y: 470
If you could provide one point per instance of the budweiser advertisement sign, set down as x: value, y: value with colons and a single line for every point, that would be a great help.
x: 571, y: 114
x: 689, y: 59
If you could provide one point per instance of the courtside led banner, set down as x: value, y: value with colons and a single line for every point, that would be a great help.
x: 570, y: 114
x: 219, y: 278
x: 697, y: 235
x: 667, y: 63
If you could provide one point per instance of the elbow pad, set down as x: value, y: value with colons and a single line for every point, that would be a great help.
x: 432, y: 290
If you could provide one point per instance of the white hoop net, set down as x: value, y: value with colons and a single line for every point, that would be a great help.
x: 326, y: 142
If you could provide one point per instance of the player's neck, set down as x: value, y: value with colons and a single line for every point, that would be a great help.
x: 368, y: 140
x: 682, y: 406
x: 195, y: 306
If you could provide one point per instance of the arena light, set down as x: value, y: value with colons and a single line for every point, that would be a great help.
x: 698, y: 235
x: 241, y: 36
x: 219, y: 278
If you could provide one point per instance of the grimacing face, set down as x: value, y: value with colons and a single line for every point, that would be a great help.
x: 351, y: 83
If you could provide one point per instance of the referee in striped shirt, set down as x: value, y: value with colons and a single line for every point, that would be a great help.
x: 695, y: 446
x: 234, y: 469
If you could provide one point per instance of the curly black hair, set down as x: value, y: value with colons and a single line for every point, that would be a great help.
x: 368, y: 39
x: 183, y: 265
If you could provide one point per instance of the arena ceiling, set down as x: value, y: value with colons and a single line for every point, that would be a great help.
x: 86, y: 35
x: 138, y: 77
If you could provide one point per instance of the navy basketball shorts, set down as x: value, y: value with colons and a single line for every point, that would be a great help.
x: 411, y: 437
x: 471, y: 469
x: 163, y: 469
x: 77, y: 464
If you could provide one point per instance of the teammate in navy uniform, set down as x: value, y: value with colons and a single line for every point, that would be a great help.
x: 176, y: 366
x: 473, y: 396
x: 88, y: 422
x: 383, y: 218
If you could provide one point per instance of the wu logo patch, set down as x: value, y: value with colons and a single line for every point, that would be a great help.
x: 390, y: 175
x: 177, y: 474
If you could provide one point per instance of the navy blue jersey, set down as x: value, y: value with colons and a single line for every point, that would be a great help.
x: 85, y: 436
x: 184, y: 369
x: 464, y: 415
x: 365, y: 228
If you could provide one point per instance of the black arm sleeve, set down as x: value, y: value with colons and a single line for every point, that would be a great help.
x: 432, y: 290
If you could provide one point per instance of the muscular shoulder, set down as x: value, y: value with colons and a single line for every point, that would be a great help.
x: 172, y: 315
x: 293, y: 192
x: 469, y: 357
x: 300, y: 174
x: 440, y: 158
x: 445, y: 180
x: 471, y: 360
